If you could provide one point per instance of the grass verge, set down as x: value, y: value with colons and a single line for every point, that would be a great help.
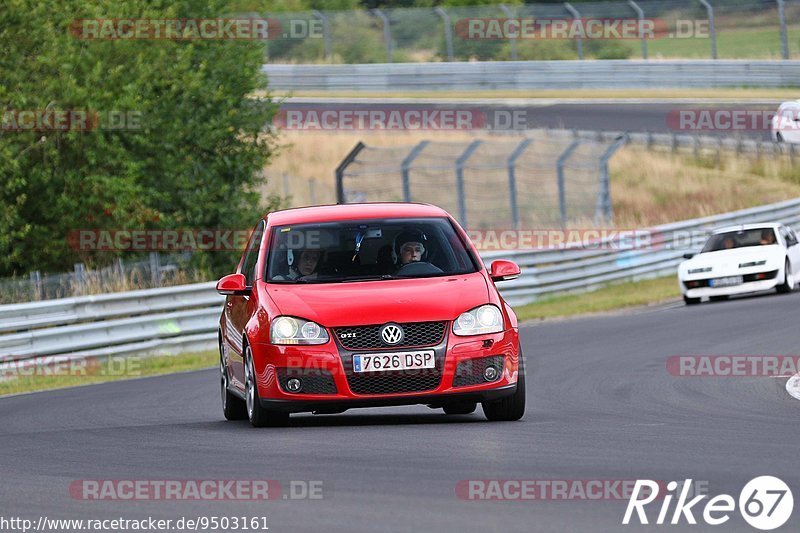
x: 608, y: 298
x: 59, y: 376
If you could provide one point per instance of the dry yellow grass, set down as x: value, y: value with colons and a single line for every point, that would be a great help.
x: 647, y: 187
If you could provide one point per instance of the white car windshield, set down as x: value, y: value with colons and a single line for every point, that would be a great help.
x: 740, y: 239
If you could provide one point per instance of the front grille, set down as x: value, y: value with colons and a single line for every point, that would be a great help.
x: 314, y: 380
x: 395, y: 382
x: 416, y: 334
x: 470, y: 372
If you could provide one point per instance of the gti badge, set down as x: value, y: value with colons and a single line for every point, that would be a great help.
x: 392, y: 334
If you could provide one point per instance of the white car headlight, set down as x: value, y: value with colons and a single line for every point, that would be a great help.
x: 483, y: 319
x: 290, y: 330
x: 752, y: 264
x: 699, y: 270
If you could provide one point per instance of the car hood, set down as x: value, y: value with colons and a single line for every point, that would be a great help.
x: 730, y: 259
x: 377, y: 302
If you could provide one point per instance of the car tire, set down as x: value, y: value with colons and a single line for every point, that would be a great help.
x: 720, y: 298
x: 788, y: 279
x: 233, y: 407
x: 258, y: 416
x: 511, y: 407
x: 462, y: 408
x: 691, y: 301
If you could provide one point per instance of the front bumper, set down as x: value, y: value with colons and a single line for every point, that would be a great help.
x: 334, y: 386
x: 754, y: 281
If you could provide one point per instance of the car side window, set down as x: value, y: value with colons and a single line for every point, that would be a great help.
x: 251, y: 254
x: 791, y: 238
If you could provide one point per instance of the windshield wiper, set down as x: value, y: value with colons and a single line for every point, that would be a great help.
x: 367, y: 278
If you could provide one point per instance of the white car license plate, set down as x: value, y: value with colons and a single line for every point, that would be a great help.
x: 727, y: 282
x: 381, y: 362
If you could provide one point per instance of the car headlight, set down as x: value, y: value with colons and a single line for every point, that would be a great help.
x: 752, y: 264
x: 699, y: 270
x: 483, y: 319
x: 290, y: 330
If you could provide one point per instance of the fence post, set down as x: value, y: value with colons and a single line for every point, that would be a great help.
x: 349, y: 158
x: 604, y: 207
x: 312, y: 197
x: 448, y: 32
x: 326, y: 33
x: 80, y: 277
x: 512, y: 180
x: 578, y: 38
x: 562, y: 195
x: 784, y: 37
x: 640, y: 15
x: 387, y: 33
x: 712, y: 27
x: 36, y: 285
x: 462, y: 201
x: 513, y: 40
x: 155, y: 269
x: 405, y: 168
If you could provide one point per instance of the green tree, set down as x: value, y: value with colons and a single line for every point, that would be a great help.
x: 193, y: 160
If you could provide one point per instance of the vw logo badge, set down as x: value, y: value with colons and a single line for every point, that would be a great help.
x: 391, y: 334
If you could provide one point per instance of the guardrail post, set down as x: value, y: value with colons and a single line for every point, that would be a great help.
x: 784, y: 37
x: 387, y: 33
x: 604, y: 207
x: 712, y: 27
x: 349, y: 158
x: 640, y: 15
x: 448, y: 32
x: 513, y: 40
x: 512, y: 180
x: 326, y: 33
x: 405, y: 168
x: 462, y: 201
x: 578, y: 38
x: 562, y: 195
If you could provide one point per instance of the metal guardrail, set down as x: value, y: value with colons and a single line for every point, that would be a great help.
x: 184, y: 318
x: 521, y: 75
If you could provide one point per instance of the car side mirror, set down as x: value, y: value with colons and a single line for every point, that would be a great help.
x: 233, y: 285
x: 502, y: 270
x: 688, y: 256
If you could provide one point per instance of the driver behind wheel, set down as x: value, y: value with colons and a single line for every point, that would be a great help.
x: 410, y: 247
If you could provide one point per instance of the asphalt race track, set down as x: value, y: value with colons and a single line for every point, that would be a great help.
x: 601, y: 406
x: 639, y: 117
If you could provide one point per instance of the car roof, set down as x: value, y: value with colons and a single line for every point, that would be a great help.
x: 332, y: 213
x: 762, y: 225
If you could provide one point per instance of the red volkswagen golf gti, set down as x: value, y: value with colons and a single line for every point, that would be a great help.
x: 366, y: 305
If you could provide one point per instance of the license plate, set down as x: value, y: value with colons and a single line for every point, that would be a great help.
x: 727, y: 282
x: 382, y: 362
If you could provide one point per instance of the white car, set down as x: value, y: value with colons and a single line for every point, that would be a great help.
x: 740, y: 260
x: 785, y: 125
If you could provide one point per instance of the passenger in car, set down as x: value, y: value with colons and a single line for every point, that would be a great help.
x: 767, y: 237
x: 303, y: 265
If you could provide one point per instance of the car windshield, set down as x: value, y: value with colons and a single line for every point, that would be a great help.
x: 366, y: 250
x: 740, y: 239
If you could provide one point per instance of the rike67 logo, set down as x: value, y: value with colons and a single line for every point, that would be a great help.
x: 765, y: 503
